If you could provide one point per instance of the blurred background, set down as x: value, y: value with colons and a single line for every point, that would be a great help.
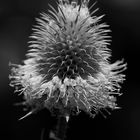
x: 17, y: 18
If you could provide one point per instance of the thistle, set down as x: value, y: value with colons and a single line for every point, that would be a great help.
x: 67, y: 69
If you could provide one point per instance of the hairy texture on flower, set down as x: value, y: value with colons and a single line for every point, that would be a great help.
x: 67, y: 67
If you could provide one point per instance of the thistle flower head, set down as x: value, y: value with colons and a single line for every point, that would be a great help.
x: 67, y: 67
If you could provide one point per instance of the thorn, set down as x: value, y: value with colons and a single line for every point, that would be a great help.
x: 28, y: 114
x: 118, y: 107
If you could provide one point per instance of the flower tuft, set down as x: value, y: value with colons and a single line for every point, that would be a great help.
x: 67, y: 68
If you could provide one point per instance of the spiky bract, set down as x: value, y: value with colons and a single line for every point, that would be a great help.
x: 67, y: 66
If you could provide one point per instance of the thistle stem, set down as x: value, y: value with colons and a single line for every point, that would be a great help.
x: 61, y: 128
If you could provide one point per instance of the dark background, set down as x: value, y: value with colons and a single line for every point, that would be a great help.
x: 17, y: 17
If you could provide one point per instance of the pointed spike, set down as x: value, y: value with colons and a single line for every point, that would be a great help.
x: 94, y: 11
x: 118, y: 107
x: 102, y: 114
x: 67, y: 118
x: 107, y: 111
x: 53, y: 9
x: 28, y: 114
x: 92, y: 5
